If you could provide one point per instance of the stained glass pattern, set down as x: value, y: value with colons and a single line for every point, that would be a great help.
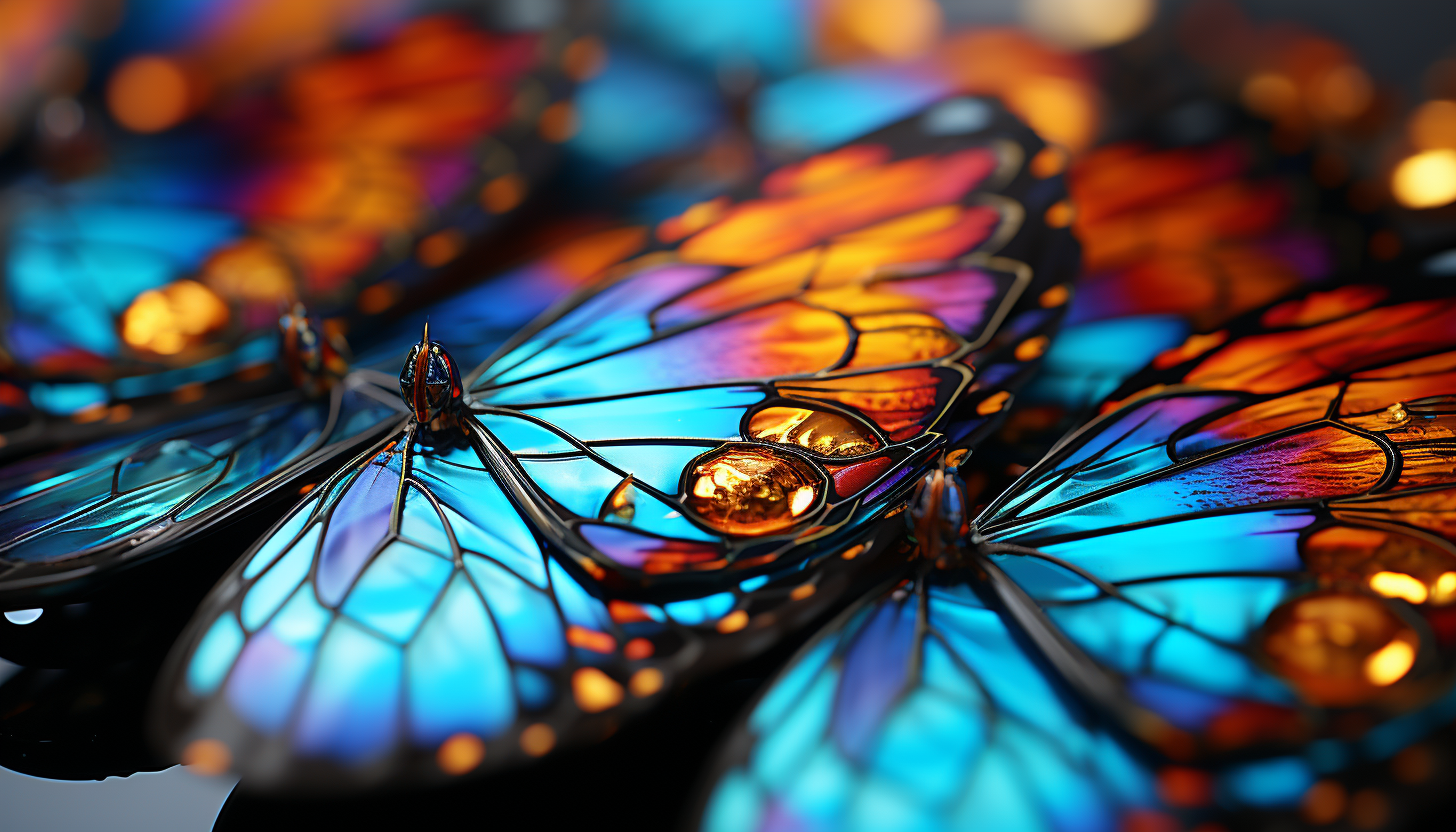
x: 638, y: 458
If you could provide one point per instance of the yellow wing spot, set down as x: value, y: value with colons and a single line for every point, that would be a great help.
x: 993, y: 403
x: 1032, y: 348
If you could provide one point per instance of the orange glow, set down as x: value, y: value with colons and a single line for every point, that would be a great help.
x: 1426, y: 180
x: 831, y: 169
x: 852, y: 552
x: 801, y: 592
x: 733, y: 622
x: 594, y: 690
x: 584, y: 58
x: 895, y: 29
x: 697, y: 217
x: 441, y: 247
x: 593, y: 640
x: 1390, y: 663
x: 896, y: 400
x: 379, y: 297
x: 1433, y: 125
x: 169, y: 320
x: 1032, y: 348
x: 1055, y: 296
x: 460, y: 753
x: 1339, y: 649
x: 558, y: 122
x: 249, y: 271
x: 623, y: 612
x: 537, y: 740
x: 503, y: 193
x: 1049, y: 161
x: 1060, y: 215
x: 993, y: 403
x: 208, y: 757
x: 645, y: 682
x: 638, y: 649
x: 905, y: 345
x: 148, y: 94
x: 1088, y: 24
x: 1399, y: 585
x: 1323, y: 803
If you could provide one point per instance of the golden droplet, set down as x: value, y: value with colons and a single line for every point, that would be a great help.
x: 207, y: 756
x: 538, y: 740
x: 1396, y: 414
x: 595, y: 691
x: 1337, y: 648
x: 645, y: 682
x: 460, y: 753
x: 746, y: 490
x: 1055, y: 296
x: 820, y: 431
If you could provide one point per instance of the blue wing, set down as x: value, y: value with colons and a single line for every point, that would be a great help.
x: 607, y: 451
x: 1256, y: 541
x: 922, y: 709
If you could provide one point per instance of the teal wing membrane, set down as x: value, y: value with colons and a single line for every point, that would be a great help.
x: 655, y: 479
x: 1246, y: 557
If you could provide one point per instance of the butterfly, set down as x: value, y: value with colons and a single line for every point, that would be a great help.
x: 1235, y: 582
x: 650, y: 481
x: 355, y: 176
x: 76, y: 518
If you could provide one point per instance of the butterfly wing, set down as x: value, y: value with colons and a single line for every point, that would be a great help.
x: 369, y: 172
x: 922, y: 708
x: 72, y: 516
x: 1256, y: 539
x: 597, y: 436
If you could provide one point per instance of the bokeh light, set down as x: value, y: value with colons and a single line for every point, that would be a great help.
x: 1426, y: 180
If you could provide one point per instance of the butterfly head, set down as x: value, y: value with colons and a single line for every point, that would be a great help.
x: 315, y: 359
x: 937, y: 514
x: 430, y: 382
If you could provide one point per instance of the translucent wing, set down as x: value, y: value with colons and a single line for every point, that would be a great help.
x: 665, y: 453
x: 1256, y: 540
x: 72, y: 516
x: 371, y: 167
x: 922, y: 709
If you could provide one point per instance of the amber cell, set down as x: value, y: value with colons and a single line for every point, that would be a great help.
x: 751, y: 491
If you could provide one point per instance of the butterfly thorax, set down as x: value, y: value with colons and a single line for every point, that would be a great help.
x: 937, y: 517
x: 429, y: 382
x: 314, y: 358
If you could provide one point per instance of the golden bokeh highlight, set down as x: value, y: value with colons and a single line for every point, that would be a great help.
x: 1399, y: 585
x: 993, y: 403
x: 733, y: 622
x: 895, y: 29
x: 594, y: 690
x: 584, y: 58
x: 503, y: 193
x: 1426, y: 179
x: 171, y: 319
x: 379, y: 297
x: 537, y: 740
x: 1339, y: 649
x: 801, y: 592
x: 460, y: 753
x: 148, y: 94
x: 645, y: 682
x: 1088, y: 24
x: 208, y: 757
x: 441, y: 247
x: 249, y: 271
x: 1433, y: 125
x: 1032, y: 348
x: 1055, y: 296
x: 819, y: 431
x: 638, y: 649
x: 1323, y: 802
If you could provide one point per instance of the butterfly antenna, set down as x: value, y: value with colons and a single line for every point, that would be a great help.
x: 425, y: 336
